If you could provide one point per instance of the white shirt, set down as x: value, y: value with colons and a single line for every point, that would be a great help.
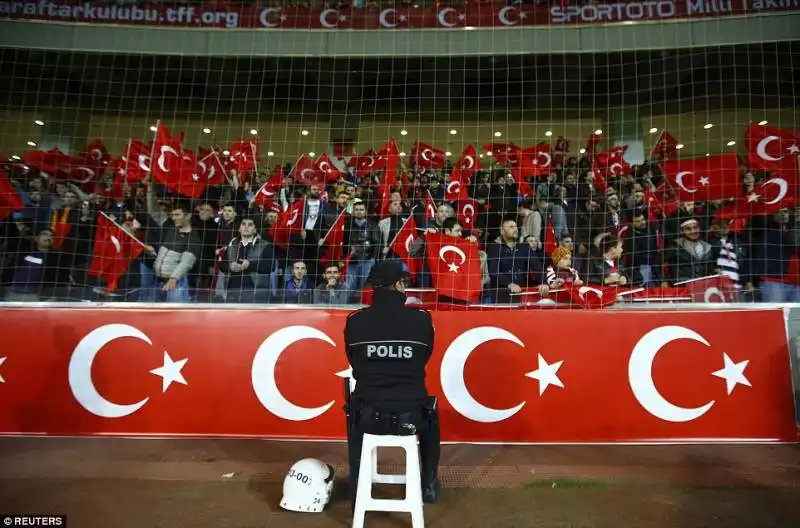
x: 312, y: 214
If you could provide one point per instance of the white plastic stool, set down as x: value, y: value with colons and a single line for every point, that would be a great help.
x: 368, y: 474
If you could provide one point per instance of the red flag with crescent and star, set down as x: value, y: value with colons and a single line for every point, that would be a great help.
x: 401, y: 245
x: 705, y: 179
x: 462, y: 173
x: 114, y: 251
x: 455, y: 266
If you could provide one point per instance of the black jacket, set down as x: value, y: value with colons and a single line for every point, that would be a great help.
x: 388, y: 346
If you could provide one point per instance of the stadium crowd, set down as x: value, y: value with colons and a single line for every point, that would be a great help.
x: 220, y: 247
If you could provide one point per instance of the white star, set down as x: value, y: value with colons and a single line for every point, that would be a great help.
x: 733, y: 373
x: 794, y: 149
x: 753, y: 197
x: 453, y: 267
x: 348, y: 374
x: 343, y: 18
x: 284, y: 18
x: 2, y: 360
x: 523, y: 16
x: 704, y: 180
x: 170, y: 371
x: 402, y: 18
x: 462, y: 17
x: 546, y: 374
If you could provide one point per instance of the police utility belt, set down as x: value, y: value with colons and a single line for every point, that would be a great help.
x: 392, y: 423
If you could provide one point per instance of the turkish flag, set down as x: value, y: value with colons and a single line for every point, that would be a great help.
x: 134, y: 165
x: 467, y: 213
x: 768, y: 197
x: 773, y: 150
x: 599, y: 179
x: 267, y: 195
x: 461, y: 175
x: 550, y: 241
x: 714, y: 288
x: 560, y: 151
x: 52, y: 162
x: 388, y: 159
x: 705, y: 179
x: 210, y: 169
x: 401, y: 245
x: 289, y: 222
x: 589, y: 297
x: 654, y: 207
x: 333, y: 241
x: 10, y: 200
x: 502, y: 152
x: 455, y: 266
x: 243, y: 157
x: 535, y: 161
x: 174, y: 167
x: 665, y: 147
x: 303, y: 171
x: 363, y: 163
x: 430, y: 207
x: 427, y: 156
x: 88, y: 167
x: 324, y: 166
x: 114, y: 251
x: 591, y: 145
x: 612, y: 161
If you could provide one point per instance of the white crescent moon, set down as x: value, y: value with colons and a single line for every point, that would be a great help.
x: 713, y: 291
x: 325, y: 167
x: 471, y: 161
x: 117, y: 245
x: 640, y: 374
x: 452, y: 375
x: 142, y: 158
x: 409, y: 240
x: 584, y: 289
x: 614, y: 166
x: 303, y: 173
x: 426, y: 158
x: 452, y: 249
x: 293, y: 219
x: 264, y: 16
x: 263, y: 373
x: 549, y: 161
x: 89, y: 175
x: 383, y: 15
x: 323, y: 19
x: 443, y: 17
x: 502, y: 15
x: 80, y: 370
x: 679, y: 181
x: 464, y: 211
x: 452, y: 185
x: 162, y: 157
x: 432, y: 210
x: 761, y: 149
x: 781, y: 183
x: 96, y: 154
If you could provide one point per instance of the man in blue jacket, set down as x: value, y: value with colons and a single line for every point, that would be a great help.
x: 512, y: 265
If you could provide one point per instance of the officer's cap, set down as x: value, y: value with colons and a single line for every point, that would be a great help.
x: 387, y: 272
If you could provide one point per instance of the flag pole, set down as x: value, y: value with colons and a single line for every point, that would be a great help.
x: 410, y: 216
x: 123, y: 229
x: 330, y: 229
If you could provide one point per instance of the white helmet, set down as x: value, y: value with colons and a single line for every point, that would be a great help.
x: 308, y: 486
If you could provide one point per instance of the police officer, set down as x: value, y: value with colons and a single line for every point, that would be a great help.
x: 388, y: 346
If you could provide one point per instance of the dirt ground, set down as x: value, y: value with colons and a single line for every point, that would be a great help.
x: 119, y: 483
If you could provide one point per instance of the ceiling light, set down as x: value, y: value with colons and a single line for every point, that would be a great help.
x: 402, y: 153
x: 448, y: 153
x: 653, y: 130
x: 498, y: 134
x: 679, y: 146
x: 15, y: 157
x: 254, y: 131
x: 31, y: 143
x: 41, y: 123
x: 226, y: 152
x: 707, y: 154
x: 548, y: 133
x: 153, y: 128
x: 404, y: 132
x: 311, y: 154
x: 598, y: 131
x: 731, y: 143
x: 707, y: 126
x: 582, y: 151
x: 304, y: 132
x: 489, y: 152
x: 480, y: 155
x: 206, y: 131
x: 453, y: 131
x: 270, y: 153
x: 762, y: 123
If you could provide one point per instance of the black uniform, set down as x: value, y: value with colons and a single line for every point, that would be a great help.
x: 388, y: 346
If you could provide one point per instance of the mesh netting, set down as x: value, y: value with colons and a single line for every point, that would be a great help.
x: 577, y: 179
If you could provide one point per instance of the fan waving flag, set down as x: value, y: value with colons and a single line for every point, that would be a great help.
x: 267, y: 195
x: 174, y: 167
x: 289, y: 223
x: 455, y: 266
x: 114, y: 251
x: 427, y: 156
x: 461, y: 175
x: 10, y: 200
x: 333, y: 241
x: 401, y: 245
x: 666, y: 147
x: 773, y: 150
x: 770, y: 196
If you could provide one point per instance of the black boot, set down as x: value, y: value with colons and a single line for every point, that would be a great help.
x: 430, y: 487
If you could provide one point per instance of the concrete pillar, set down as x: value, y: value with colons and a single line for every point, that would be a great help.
x: 622, y: 127
x: 345, y: 105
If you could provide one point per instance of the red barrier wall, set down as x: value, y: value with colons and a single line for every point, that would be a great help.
x: 542, y: 376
